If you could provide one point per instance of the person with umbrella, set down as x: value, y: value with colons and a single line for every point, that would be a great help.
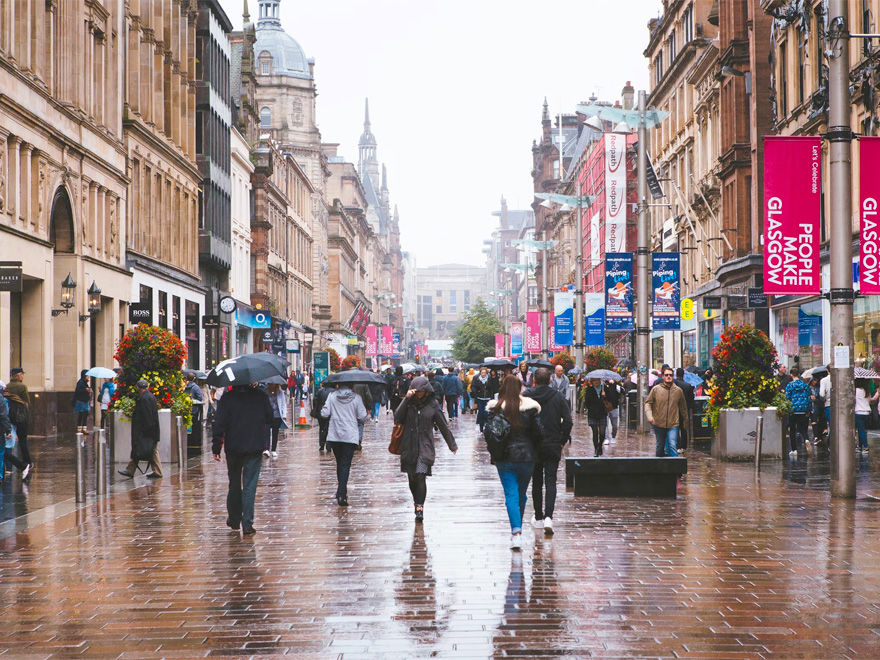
x: 318, y: 401
x: 598, y: 406
x: 108, y: 389
x: 480, y: 394
x: 420, y: 414
x: 345, y: 411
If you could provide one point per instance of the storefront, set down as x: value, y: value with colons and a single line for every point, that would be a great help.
x: 710, y: 329
x: 797, y: 330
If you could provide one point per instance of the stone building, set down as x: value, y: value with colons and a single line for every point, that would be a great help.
x: 63, y: 191
x: 444, y: 295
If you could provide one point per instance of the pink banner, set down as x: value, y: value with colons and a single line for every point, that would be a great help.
x: 533, y: 332
x: 552, y: 345
x: 387, y: 345
x: 372, y: 340
x: 869, y: 194
x: 499, y: 345
x: 792, y: 211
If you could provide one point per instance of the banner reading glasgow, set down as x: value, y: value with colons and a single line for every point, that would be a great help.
x: 792, y: 208
x: 516, y: 338
x: 869, y: 226
x: 666, y: 311
x: 619, y: 291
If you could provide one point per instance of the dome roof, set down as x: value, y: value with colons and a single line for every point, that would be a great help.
x: 288, y: 58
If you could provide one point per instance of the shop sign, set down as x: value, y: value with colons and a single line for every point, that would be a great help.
x: 253, y: 318
x: 320, y: 367
x: 869, y: 225
x: 210, y: 321
x: 619, y: 291
x: 792, y: 211
x: 687, y: 309
x: 737, y: 302
x: 293, y: 345
x: 308, y: 337
x: 10, y: 276
x: 711, y: 302
x: 268, y: 337
x: 140, y: 312
x: 666, y: 312
x: 757, y: 298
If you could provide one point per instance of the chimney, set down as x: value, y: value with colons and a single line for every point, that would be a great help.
x: 628, y: 93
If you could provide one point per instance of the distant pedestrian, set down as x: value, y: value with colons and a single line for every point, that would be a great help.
x: 556, y: 423
x: 397, y: 388
x: 363, y: 391
x: 525, y: 376
x: 436, y: 380
x: 783, y: 377
x: 494, y: 383
x: 825, y: 395
x: 194, y: 392
x: 318, y: 401
x: 451, y: 391
x: 6, y: 428
x: 300, y: 385
x: 798, y: 393
x: 481, y: 395
x: 666, y: 410
x: 144, y: 433
x: 420, y: 414
x: 465, y: 399
x: 240, y: 423
x: 597, y: 405
x: 20, y: 411
x: 559, y: 381
x: 278, y: 401
x: 688, y: 390
x: 515, y: 453
x: 379, y: 395
x: 863, y: 410
x: 105, y: 398
x: 82, y: 395
x: 345, y: 410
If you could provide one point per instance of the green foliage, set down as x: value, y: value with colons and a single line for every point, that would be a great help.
x: 599, y: 358
x: 475, y: 338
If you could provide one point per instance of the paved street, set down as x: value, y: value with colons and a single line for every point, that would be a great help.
x: 730, y: 569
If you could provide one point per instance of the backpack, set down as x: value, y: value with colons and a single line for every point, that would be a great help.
x: 496, y: 433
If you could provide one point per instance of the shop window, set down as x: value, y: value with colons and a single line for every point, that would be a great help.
x: 163, y: 309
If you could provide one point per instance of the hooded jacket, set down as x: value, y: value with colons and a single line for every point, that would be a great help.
x: 345, y: 409
x: 452, y: 385
x: 555, y: 419
x: 524, y: 442
x: 240, y: 421
x: 419, y: 417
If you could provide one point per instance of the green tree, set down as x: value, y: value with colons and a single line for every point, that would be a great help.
x: 475, y: 337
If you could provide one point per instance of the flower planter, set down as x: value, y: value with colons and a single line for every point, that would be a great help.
x: 167, y: 438
x: 733, y: 441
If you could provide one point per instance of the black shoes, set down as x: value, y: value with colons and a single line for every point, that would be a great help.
x: 420, y: 514
x: 153, y: 475
x: 125, y: 474
x: 342, y: 501
x: 232, y: 525
x: 248, y: 531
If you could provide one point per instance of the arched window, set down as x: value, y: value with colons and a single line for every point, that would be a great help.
x: 265, y: 118
x: 265, y: 63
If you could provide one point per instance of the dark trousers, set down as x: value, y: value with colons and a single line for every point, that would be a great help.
x: 418, y: 486
x: 323, y: 428
x: 21, y: 430
x: 344, y: 452
x: 797, y: 425
x: 544, y: 475
x: 451, y: 402
x: 481, y: 412
x: 276, y: 429
x: 598, y: 436
x: 244, y: 472
x: 194, y: 439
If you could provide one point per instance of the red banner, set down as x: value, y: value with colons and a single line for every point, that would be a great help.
x: 869, y: 231
x: 372, y: 340
x: 499, y: 345
x: 792, y: 212
x: 533, y: 332
x: 387, y: 345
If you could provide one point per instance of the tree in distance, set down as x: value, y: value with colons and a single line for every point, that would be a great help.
x: 474, y: 339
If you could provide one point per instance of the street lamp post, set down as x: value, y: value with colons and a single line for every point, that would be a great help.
x: 643, y: 289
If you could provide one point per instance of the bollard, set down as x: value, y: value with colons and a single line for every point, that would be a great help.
x: 181, y: 444
x: 80, y: 484
x: 759, y: 438
x: 100, y: 462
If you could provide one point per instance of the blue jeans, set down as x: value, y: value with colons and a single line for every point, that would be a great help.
x: 667, y: 439
x: 862, y: 428
x: 451, y: 406
x: 515, y: 479
x: 244, y: 471
x: 376, y: 407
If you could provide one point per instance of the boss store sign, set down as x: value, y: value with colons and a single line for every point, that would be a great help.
x: 140, y: 312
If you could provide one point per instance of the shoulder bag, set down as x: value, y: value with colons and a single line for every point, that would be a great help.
x: 396, y: 440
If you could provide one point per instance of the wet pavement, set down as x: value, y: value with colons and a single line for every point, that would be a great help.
x: 735, y: 567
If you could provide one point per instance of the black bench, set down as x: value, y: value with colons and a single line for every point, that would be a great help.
x: 629, y: 476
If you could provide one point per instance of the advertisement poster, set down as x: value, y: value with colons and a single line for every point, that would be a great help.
x: 372, y: 340
x: 619, y: 291
x: 395, y: 344
x: 615, y: 192
x: 320, y: 367
x: 594, y: 319
x: 666, y: 299
x: 792, y: 211
x: 563, y: 317
x: 499, y: 345
x: 516, y: 338
x: 386, y: 344
x: 809, y: 330
x: 533, y: 332
x: 869, y: 232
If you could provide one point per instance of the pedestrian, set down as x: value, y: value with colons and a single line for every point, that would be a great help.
x: 863, y: 410
x: 559, y: 381
x: 825, y: 395
x: 420, y: 414
x: 379, y: 395
x: 516, y: 452
x: 345, y: 410
x: 613, y: 394
x: 82, y: 395
x: 300, y: 384
x: 525, y: 376
x: 19, y: 400
x: 689, y: 400
x: 451, y: 391
x: 363, y: 391
x: 798, y: 393
x: 597, y: 406
x: 240, y: 422
x: 665, y: 410
x: 6, y: 429
x: 105, y: 396
x: 394, y: 389
x: 556, y: 423
x: 318, y: 402
x: 580, y: 390
x: 494, y: 383
x: 278, y: 401
x: 783, y: 377
x: 197, y: 406
x: 436, y: 380
x: 464, y: 399
x: 144, y: 433
x: 480, y: 394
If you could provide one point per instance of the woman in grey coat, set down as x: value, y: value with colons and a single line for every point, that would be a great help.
x: 420, y: 412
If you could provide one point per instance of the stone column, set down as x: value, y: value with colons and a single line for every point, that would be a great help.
x: 13, y: 184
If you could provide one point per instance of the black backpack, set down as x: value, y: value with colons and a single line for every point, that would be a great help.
x: 497, y: 433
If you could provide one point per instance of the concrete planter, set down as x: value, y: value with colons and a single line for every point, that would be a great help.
x: 733, y: 442
x: 167, y: 438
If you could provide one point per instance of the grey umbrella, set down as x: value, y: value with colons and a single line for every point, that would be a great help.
x: 353, y: 376
x: 540, y: 363
x: 604, y: 374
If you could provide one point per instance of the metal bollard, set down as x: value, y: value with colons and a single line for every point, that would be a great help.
x: 80, y: 484
x: 181, y: 444
x: 100, y: 462
x: 759, y: 438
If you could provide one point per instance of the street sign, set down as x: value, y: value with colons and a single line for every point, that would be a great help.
x: 687, y: 309
x: 757, y: 299
x: 140, y: 312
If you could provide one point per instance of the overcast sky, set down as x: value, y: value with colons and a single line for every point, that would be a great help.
x: 455, y: 93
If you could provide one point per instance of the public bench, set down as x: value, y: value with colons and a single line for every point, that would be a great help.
x: 626, y: 476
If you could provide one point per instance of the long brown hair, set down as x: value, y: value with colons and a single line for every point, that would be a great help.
x: 508, y: 396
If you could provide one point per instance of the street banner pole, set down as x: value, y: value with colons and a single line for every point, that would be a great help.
x: 643, y: 357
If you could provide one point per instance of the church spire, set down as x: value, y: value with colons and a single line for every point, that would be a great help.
x: 545, y: 115
x: 245, y: 15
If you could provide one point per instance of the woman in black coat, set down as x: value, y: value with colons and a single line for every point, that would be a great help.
x: 419, y: 412
x: 595, y: 398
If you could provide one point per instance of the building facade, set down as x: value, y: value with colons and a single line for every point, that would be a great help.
x: 445, y: 294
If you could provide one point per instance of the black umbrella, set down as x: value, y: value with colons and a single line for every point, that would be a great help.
x: 498, y: 364
x: 537, y: 362
x: 247, y: 369
x: 274, y: 380
x: 693, y: 369
x: 353, y: 376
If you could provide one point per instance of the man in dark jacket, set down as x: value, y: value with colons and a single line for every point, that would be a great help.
x: 144, y: 431
x: 323, y: 422
x: 436, y: 380
x: 452, y: 389
x: 688, y: 391
x: 240, y: 424
x: 556, y: 419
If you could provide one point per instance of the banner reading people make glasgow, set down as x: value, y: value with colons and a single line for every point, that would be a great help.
x: 563, y: 317
x: 619, y: 291
x: 792, y: 211
x: 499, y: 344
x: 869, y: 226
x: 666, y: 311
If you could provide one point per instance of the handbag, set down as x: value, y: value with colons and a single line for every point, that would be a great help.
x: 608, y: 405
x: 395, y: 446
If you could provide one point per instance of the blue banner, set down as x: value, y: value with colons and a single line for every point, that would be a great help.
x: 563, y: 323
x: 594, y: 319
x: 619, y: 291
x: 666, y: 300
x: 253, y: 318
x: 516, y: 338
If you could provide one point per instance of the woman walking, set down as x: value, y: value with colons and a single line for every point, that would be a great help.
x: 863, y: 410
x: 525, y: 376
x: 346, y: 411
x: 595, y: 401
x: 420, y: 414
x: 81, y: 397
x: 515, y: 454
x: 480, y: 394
x: 278, y: 401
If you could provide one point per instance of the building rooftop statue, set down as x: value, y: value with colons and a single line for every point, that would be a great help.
x: 288, y: 58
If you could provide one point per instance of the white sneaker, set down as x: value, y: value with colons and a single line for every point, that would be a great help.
x: 266, y: 453
x: 548, y: 526
x: 793, y: 452
x: 26, y: 471
x: 515, y: 541
x: 613, y: 441
x: 607, y: 442
x: 537, y: 524
x: 274, y: 454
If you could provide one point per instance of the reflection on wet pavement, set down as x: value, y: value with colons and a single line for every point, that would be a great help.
x: 735, y: 567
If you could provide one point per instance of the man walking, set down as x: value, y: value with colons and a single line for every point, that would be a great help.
x: 194, y: 392
x: 19, y: 411
x: 559, y: 382
x: 665, y: 410
x: 555, y: 417
x: 144, y: 432
x: 240, y: 426
x: 451, y: 391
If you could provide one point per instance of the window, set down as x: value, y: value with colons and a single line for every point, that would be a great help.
x: 453, y: 305
x: 687, y: 25
x: 163, y: 309
x: 671, y: 47
x: 781, y: 81
x: 467, y: 300
x: 439, y: 293
x: 265, y: 118
x: 658, y: 68
x: 802, y: 63
x: 439, y: 309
